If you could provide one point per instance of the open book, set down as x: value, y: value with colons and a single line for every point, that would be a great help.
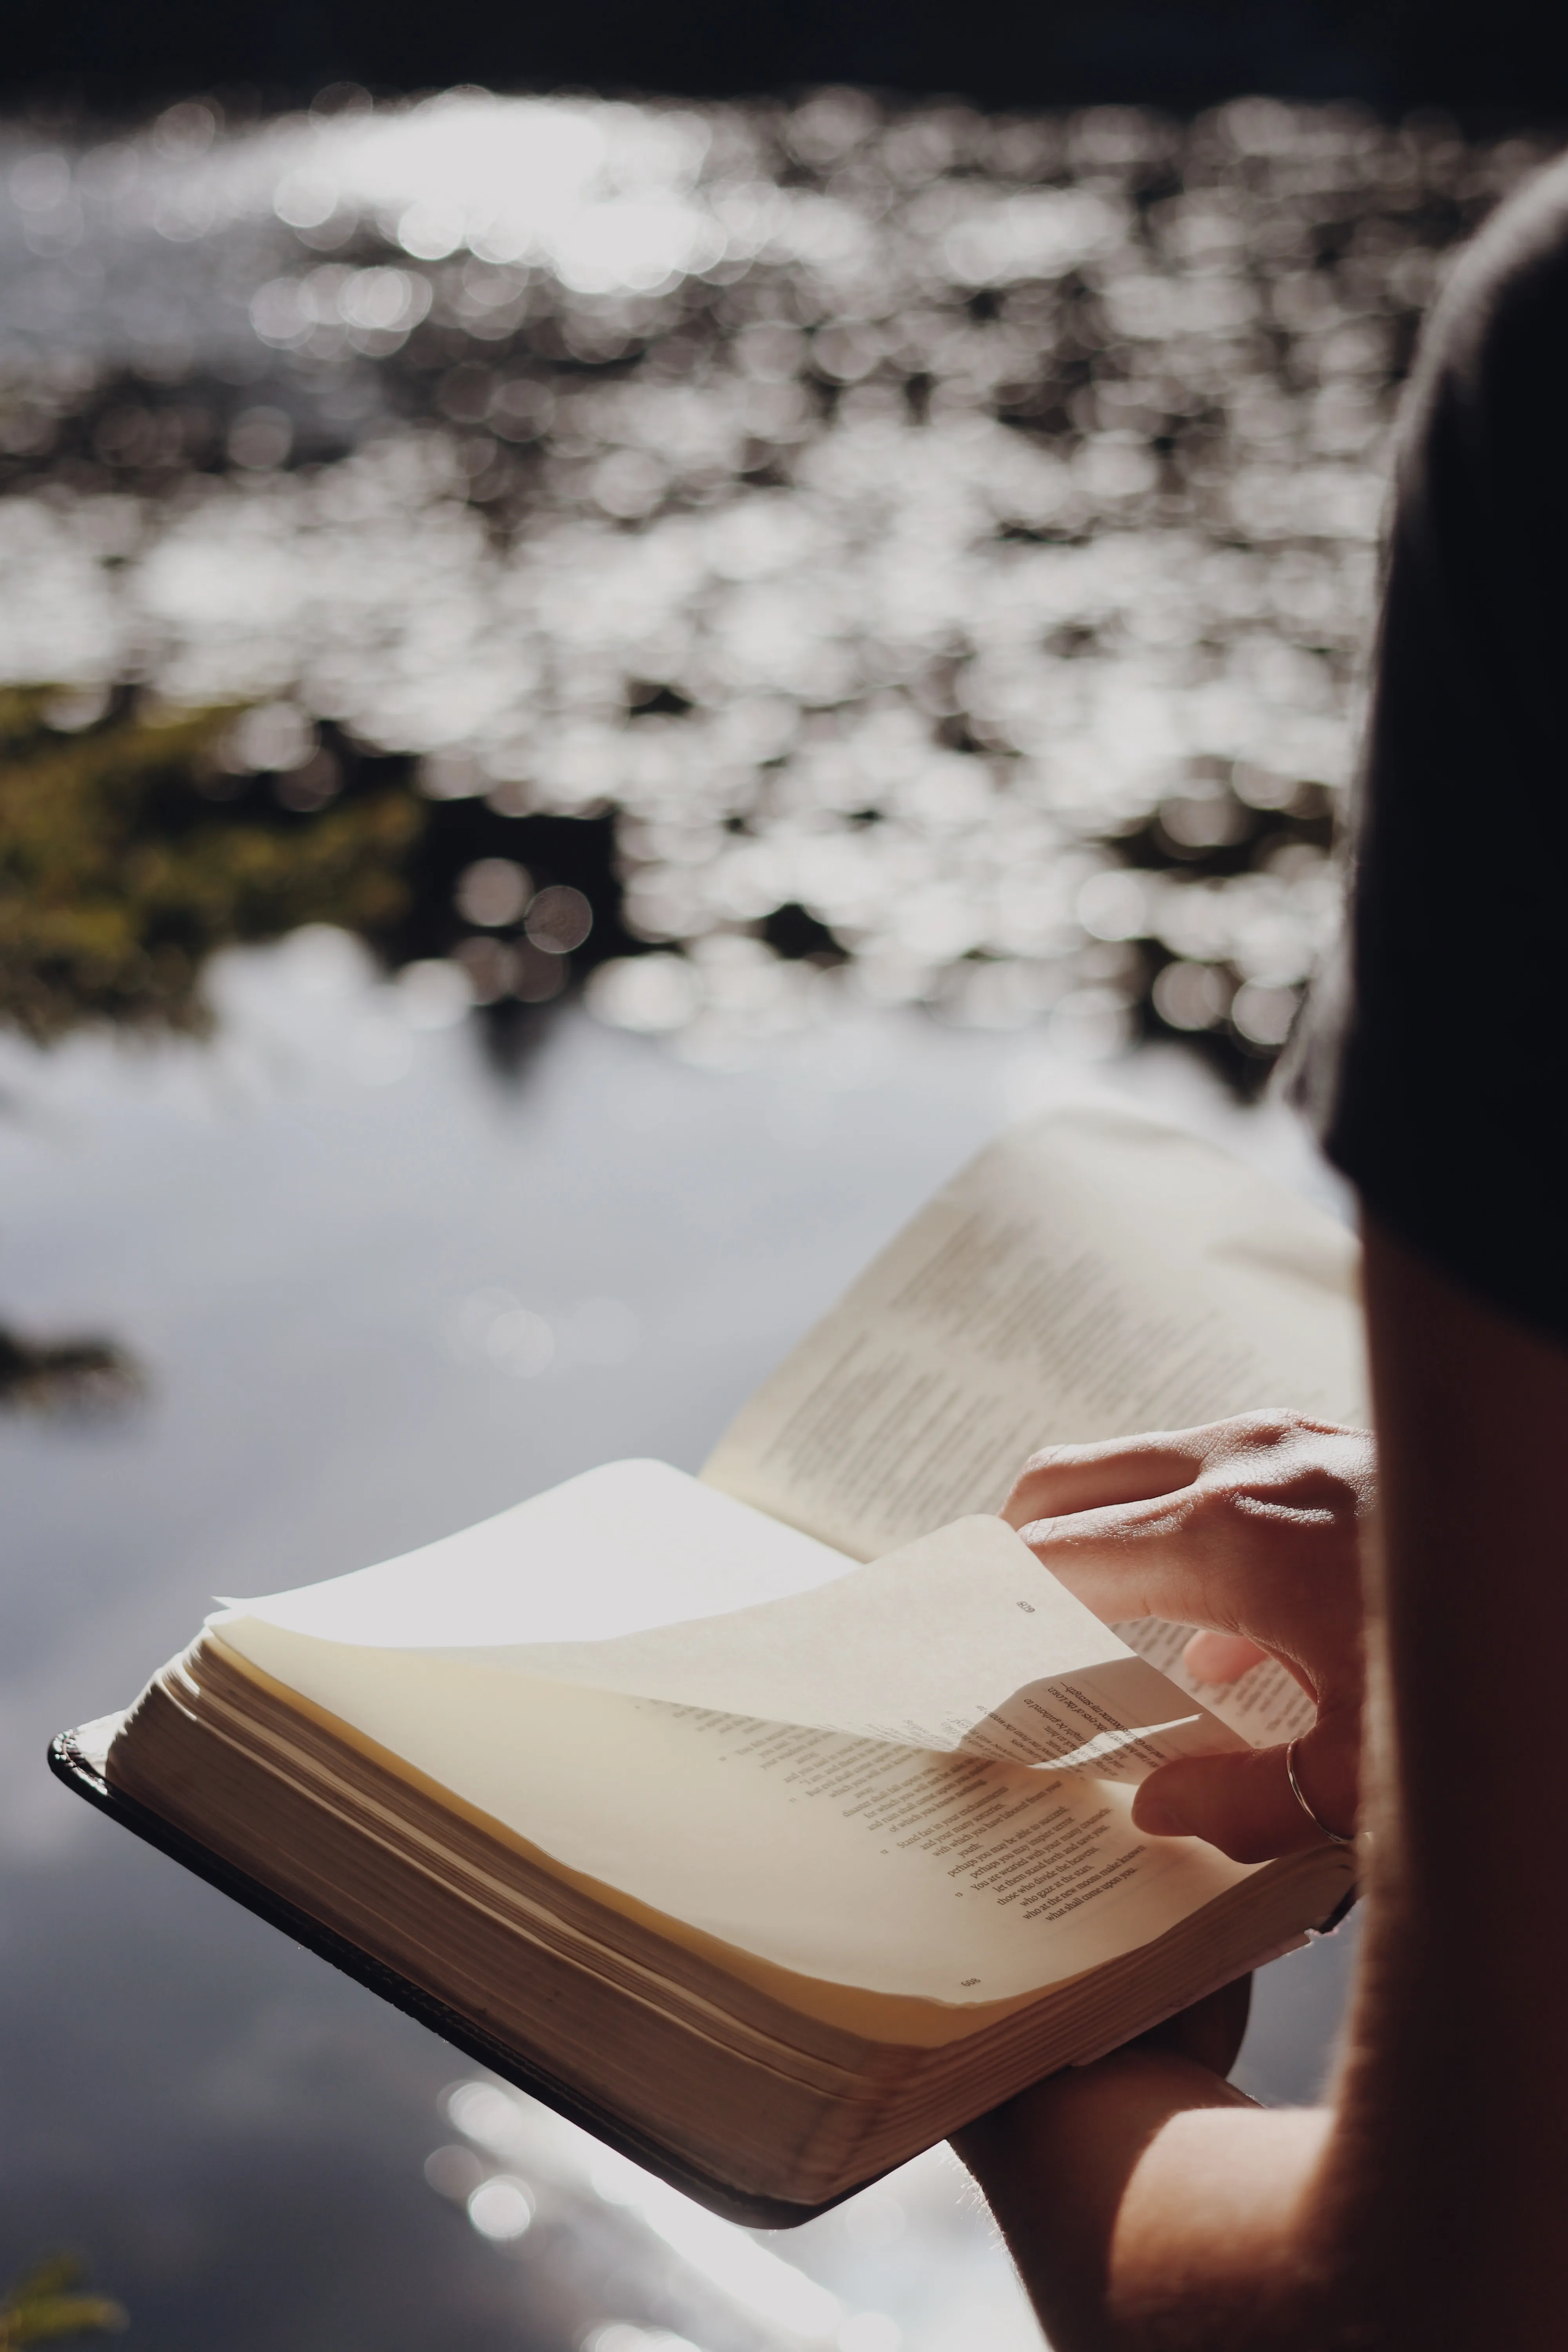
x: 777, y: 1822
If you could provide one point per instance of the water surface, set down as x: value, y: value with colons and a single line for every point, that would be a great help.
x: 314, y: 1232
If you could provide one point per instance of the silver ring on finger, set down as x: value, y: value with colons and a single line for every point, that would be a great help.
x: 1299, y: 1794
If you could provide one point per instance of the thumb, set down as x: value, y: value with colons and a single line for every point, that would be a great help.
x: 1244, y: 1803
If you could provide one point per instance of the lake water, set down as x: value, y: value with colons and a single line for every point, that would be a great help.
x: 307, y: 1231
x: 940, y: 546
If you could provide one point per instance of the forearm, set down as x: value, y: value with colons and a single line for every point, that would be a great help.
x: 1447, y: 2168
x: 1148, y: 2210
x: 1151, y: 2207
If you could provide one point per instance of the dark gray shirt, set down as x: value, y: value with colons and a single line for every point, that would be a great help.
x: 1435, y: 1061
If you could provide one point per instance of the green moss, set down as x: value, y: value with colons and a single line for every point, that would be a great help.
x: 45, y: 2307
x: 120, y: 875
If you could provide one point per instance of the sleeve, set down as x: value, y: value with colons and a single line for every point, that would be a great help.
x: 1435, y: 1055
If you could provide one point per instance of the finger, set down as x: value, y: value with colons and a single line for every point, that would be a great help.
x: 1211, y: 1658
x: 1244, y: 1803
x: 1192, y: 1559
x: 1062, y: 1478
x: 1157, y: 1558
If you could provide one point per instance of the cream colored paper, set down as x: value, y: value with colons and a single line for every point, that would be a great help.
x: 815, y: 1775
x: 948, y: 1877
x: 1092, y: 1273
x: 960, y: 1641
x: 627, y: 1546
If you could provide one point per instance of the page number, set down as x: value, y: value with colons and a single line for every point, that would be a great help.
x: 1027, y: 1607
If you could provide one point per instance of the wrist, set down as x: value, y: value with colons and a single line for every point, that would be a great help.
x: 1063, y: 2168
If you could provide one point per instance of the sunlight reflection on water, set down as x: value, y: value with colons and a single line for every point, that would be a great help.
x: 931, y: 524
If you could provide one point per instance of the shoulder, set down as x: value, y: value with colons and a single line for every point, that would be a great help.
x: 1498, y: 335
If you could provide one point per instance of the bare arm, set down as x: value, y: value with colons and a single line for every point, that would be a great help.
x: 1150, y: 2210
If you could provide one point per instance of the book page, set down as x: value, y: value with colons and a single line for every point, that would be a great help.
x: 1093, y: 1274
x: 948, y: 1877
x: 960, y: 1641
x: 843, y: 1776
x: 610, y: 1552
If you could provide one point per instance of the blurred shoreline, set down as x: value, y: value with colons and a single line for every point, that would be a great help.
x: 859, y: 554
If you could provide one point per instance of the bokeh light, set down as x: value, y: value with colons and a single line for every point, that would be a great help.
x: 941, y: 546
x: 501, y: 2207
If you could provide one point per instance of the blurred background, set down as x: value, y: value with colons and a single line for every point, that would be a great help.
x: 621, y: 630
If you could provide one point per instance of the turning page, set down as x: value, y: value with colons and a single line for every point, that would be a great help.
x: 948, y: 1878
x: 857, y: 1777
x: 959, y: 1641
x: 1094, y: 1273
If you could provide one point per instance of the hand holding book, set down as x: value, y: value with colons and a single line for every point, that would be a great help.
x: 777, y: 1822
x: 1246, y: 1529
